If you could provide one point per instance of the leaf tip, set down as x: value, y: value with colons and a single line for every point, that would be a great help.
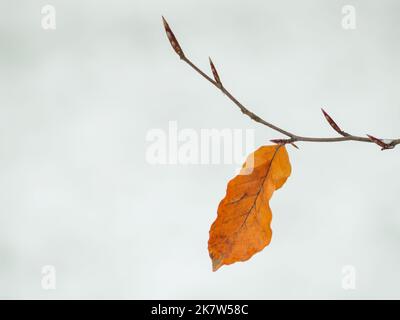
x: 216, y: 263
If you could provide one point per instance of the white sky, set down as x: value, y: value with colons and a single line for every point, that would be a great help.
x: 76, y: 104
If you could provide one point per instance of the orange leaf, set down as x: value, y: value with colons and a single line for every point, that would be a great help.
x: 242, y: 227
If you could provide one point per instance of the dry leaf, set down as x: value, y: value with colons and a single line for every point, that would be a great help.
x: 242, y: 227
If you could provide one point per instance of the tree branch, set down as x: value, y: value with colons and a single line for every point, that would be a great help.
x: 292, y: 138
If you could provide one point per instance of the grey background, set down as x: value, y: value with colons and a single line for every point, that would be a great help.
x: 76, y: 104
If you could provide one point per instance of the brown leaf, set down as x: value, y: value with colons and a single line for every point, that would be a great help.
x: 242, y: 227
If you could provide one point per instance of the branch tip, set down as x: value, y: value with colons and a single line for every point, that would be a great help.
x: 380, y: 142
x: 172, y: 39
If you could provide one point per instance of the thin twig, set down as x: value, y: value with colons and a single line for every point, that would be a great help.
x: 383, y: 143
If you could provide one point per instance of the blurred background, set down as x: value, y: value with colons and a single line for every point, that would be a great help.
x: 77, y: 102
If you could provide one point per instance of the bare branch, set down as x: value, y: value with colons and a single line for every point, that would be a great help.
x: 383, y: 143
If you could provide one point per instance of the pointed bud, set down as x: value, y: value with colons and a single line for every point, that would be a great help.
x: 333, y: 124
x: 380, y: 143
x: 172, y: 39
x: 292, y: 143
x: 215, y: 73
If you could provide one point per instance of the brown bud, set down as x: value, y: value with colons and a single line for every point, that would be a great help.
x: 332, y: 123
x: 215, y: 73
x: 172, y: 39
x: 380, y: 142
